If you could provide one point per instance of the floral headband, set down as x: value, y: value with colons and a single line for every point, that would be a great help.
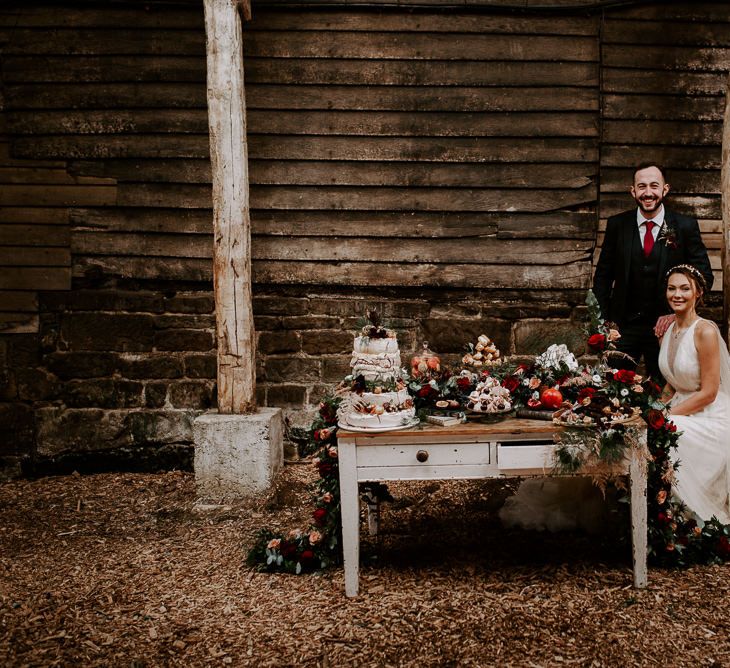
x: 692, y: 271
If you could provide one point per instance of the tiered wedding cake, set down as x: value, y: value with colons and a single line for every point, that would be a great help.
x: 378, y: 398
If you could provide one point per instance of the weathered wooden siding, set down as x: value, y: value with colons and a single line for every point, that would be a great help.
x: 664, y: 75
x: 387, y: 148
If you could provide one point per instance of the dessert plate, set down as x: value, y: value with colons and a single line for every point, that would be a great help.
x: 376, y: 430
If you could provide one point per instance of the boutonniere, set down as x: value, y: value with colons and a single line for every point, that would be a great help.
x: 669, y: 236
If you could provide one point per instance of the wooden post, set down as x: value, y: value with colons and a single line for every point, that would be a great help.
x: 231, y: 220
x: 725, y: 189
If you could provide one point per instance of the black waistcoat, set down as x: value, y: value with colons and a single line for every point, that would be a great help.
x: 643, y: 299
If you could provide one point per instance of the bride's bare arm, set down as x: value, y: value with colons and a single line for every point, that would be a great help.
x: 708, y: 352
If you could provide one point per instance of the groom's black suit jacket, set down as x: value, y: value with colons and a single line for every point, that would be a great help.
x: 622, y: 246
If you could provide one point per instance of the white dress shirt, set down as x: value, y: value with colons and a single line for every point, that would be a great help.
x: 658, y: 221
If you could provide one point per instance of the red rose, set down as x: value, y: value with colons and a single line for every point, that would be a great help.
x: 316, y: 434
x: 624, y: 376
x: 670, y: 426
x: 426, y: 392
x: 511, y: 383
x: 324, y: 468
x: 723, y: 547
x: 327, y: 413
x: 307, y: 555
x: 534, y: 403
x: 597, y: 342
x: 662, y: 517
x: 287, y: 549
x: 464, y: 383
x: 320, y: 516
x: 655, y: 419
x: 586, y: 392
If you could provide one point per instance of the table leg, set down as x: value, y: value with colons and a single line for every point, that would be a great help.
x: 350, y: 508
x: 637, y: 471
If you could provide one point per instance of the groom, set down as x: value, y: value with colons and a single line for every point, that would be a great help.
x: 639, y: 247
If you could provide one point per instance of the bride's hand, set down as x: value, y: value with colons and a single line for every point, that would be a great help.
x: 662, y: 325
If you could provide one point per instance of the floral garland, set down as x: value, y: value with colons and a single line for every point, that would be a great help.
x: 318, y: 546
x: 674, y: 537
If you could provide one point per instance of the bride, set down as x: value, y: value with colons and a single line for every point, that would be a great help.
x: 696, y: 364
x: 694, y: 360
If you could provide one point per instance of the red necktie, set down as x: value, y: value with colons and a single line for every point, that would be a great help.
x: 648, y: 238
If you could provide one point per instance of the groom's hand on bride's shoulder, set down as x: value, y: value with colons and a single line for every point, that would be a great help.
x: 662, y: 325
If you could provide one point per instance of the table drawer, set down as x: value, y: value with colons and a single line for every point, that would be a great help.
x: 430, y: 454
x: 527, y: 458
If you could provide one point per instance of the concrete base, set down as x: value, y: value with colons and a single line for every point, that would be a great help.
x: 237, y: 455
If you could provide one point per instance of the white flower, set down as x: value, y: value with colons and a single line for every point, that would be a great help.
x: 433, y: 384
x: 596, y: 379
x: 556, y: 355
x: 526, y: 381
x: 624, y: 393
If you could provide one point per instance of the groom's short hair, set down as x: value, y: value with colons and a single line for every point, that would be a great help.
x: 646, y: 164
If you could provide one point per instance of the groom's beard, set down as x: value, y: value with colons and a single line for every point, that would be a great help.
x: 649, y: 204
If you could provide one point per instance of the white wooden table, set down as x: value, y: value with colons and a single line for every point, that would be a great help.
x: 511, y: 448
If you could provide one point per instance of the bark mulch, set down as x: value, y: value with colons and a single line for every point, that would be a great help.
x: 129, y: 570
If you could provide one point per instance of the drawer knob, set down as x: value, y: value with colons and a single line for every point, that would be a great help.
x: 422, y: 455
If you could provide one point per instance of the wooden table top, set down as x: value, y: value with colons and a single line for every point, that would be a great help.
x: 509, y: 426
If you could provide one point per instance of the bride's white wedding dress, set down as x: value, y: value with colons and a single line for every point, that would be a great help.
x: 703, y: 478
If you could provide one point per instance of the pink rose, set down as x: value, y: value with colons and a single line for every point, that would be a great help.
x: 274, y: 544
x: 315, y: 537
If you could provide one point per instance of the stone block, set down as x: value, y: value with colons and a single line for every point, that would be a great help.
x: 183, y: 339
x: 68, y: 365
x: 192, y: 321
x: 334, y: 369
x: 291, y: 369
x: 23, y: 350
x: 35, y: 384
x: 114, y: 300
x: 151, y: 366
x: 319, y: 392
x: 451, y: 336
x: 455, y: 310
x: 264, y: 305
x: 198, y: 394
x: 190, y: 303
x: 103, y: 393
x: 266, y: 322
x: 161, y: 427
x: 17, y: 429
x: 533, y: 337
x: 155, y: 394
x: 201, y: 366
x: 525, y: 309
x: 310, y: 322
x: 237, y: 455
x: 282, y: 341
x: 62, y: 430
x: 107, y: 331
x: 327, y: 342
x: 286, y: 395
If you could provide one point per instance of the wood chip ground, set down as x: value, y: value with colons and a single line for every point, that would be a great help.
x: 132, y: 570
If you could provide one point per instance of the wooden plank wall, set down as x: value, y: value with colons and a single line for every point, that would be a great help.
x: 35, y: 196
x: 664, y: 76
x: 387, y: 148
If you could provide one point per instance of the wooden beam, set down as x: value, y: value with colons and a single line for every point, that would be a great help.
x: 725, y: 179
x: 231, y: 221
